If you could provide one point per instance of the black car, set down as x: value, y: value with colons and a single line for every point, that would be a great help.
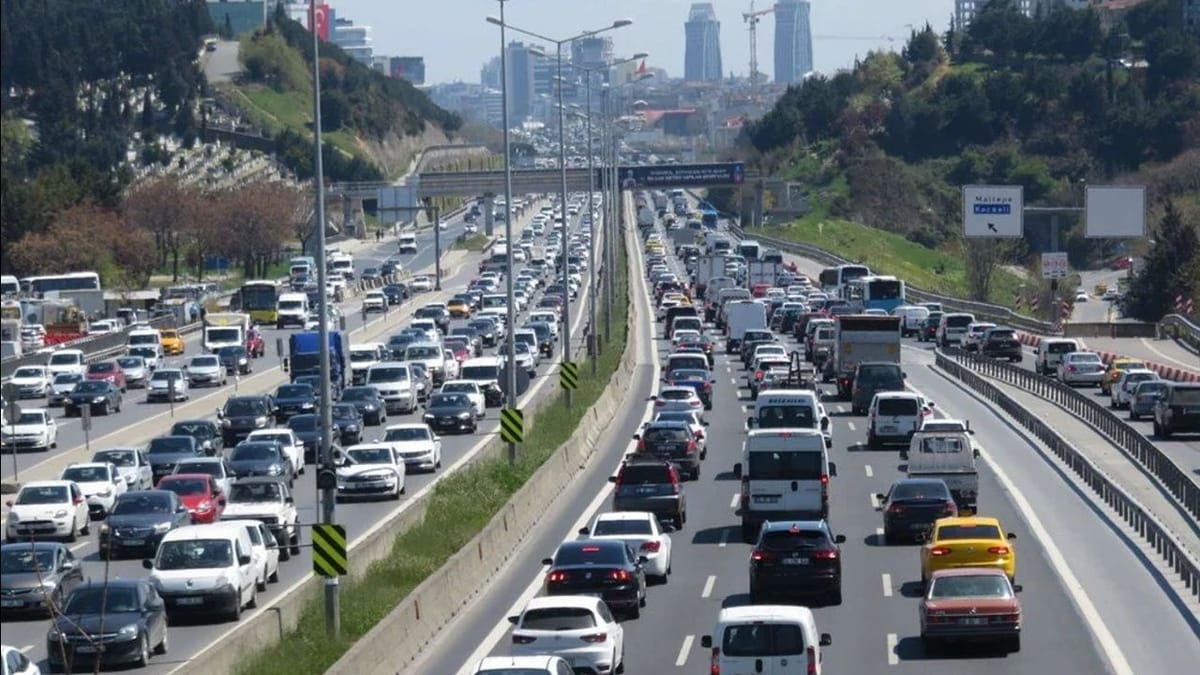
x: 797, y: 556
x: 294, y: 399
x: 236, y: 359
x: 910, y: 507
x: 348, y: 422
x: 608, y: 568
x: 165, y: 451
x: 395, y: 293
x: 545, y: 336
x: 870, y: 379
x: 1001, y: 343
x: 1177, y: 409
x: 139, y: 520
x: 314, y: 381
x: 243, y: 414
x: 36, y: 576
x: 259, y: 458
x: 451, y: 412
x: 369, y: 403
x: 486, y: 330
x: 673, y: 442
x: 100, y: 396
x: 126, y: 617
x: 650, y: 484
x: 307, y: 428
x: 437, y: 314
x: 206, y: 432
x: 396, y: 344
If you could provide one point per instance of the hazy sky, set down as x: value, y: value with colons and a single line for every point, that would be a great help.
x: 455, y: 40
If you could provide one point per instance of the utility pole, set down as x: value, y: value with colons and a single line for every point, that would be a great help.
x: 511, y: 363
x: 562, y: 166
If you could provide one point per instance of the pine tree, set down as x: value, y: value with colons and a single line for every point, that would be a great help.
x: 1168, y: 269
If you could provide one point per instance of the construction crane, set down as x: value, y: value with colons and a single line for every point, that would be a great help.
x: 752, y: 18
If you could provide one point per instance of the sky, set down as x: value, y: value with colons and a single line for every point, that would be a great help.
x: 455, y: 39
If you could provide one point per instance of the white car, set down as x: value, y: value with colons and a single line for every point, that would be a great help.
x: 131, y: 464
x: 524, y: 358
x: 677, y: 398
x: 211, y: 466
x: 975, y: 334
x: 48, y: 508
x: 61, y: 387
x: 161, y: 382
x: 205, y: 370
x: 370, y: 470
x: 894, y: 416
x: 374, y: 301
x: 264, y: 550
x: 558, y: 625
x: 1081, y: 296
x: 421, y: 283
x: 35, y: 429
x: 470, y: 389
x: 269, y: 500
x: 417, y: 445
x: 30, y: 381
x: 1081, y: 368
x: 101, y: 484
x: 67, y: 361
x: 1122, y: 389
x: 641, y: 531
x: 523, y: 665
x: 33, y: 337
x: 471, y: 228
x: 102, y: 327
x: 293, y: 447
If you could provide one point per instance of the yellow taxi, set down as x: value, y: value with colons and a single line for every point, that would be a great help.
x: 973, y: 541
x: 459, y: 308
x: 1114, y: 370
x: 172, y: 342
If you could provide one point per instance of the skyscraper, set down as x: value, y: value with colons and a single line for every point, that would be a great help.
x: 793, y: 41
x: 702, y: 34
x: 520, y: 81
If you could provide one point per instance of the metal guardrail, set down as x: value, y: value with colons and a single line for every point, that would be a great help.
x: 94, y: 348
x: 962, y: 366
x: 1180, y: 328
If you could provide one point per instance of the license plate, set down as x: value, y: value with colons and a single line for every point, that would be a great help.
x: 887, y: 427
x: 973, y: 621
x: 766, y: 499
x: 134, y: 542
x: 190, y: 601
x: 85, y: 649
x: 11, y: 603
x: 795, y: 561
x: 917, y: 526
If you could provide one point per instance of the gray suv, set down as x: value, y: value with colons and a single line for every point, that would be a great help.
x: 872, y: 378
x: 650, y: 484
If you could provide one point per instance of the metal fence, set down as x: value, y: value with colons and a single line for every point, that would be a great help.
x: 95, y: 348
x: 965, y: 366
x: 1181, y: 328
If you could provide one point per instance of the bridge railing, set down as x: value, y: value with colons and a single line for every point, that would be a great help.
x: 1180, y: 328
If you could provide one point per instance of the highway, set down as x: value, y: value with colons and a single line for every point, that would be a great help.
x: 189, y: 639
x: 1092, y: 603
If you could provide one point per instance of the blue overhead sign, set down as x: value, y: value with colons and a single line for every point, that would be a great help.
x: 682, y: 175
x: 993, y: 209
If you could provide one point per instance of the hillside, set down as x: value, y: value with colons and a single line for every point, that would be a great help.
x: 1049, y: 103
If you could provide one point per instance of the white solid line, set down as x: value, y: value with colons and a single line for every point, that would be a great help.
x: 887, y: 585
x: 683, y: 650
x: 25, y: 649
x: 1149, y: 345
x: 851, y: 425
x: 708, y: 586
x: 724, y: 539
x: 893, y: 657
x: 733, y: 503
x: 869, y: 470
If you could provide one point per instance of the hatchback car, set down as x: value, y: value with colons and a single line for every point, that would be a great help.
x: 36, y: 577
x: 100, y: 397
x: 677, y: 398
x: 650, y: 484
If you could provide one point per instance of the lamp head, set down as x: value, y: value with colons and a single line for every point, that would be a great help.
x: 639, y: 56
x: 495, y: 21
x: 621, y: 23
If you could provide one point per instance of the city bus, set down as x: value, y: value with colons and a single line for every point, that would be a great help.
x: 749, y: 249
x: 259, y: 299
x: 875, y: 292
x: 834, y: 278
x: 709, y: 218
x: 71, y: 281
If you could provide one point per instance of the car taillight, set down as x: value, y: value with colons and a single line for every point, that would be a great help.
x: 1071, y: 369
x: 556, y: 577
x: 691, y: 446
x: 660, y: 402
x: 699, y: 435
x: 707, y: 386
x: 950, y: 509
x: 998, y: 550
x: 845, y: 382
x: 895, y: 508
x: 759, y: 555
x: 939, y: 551
x: 694, y: 402
x: 594, y: 638
x: 650, y: 546
x: 674, y: 479
x: 522, y: 639
x: 811, y: 652
x: 827, y: 554
x: 715, y: 666
x: 641, y: 445
x: 824, y: 479
x: 758, y: 375
x: 620, y: 575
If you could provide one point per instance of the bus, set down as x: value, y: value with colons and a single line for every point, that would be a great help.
x: 71, y: 281
x: 833, y: 278
x: 749, y: 249
x: 709, y: 218
x: 259, y: 299
x: 875, y: 292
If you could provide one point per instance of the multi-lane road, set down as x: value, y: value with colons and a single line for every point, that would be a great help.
x: 359, y: 518
x: 1093, y: 599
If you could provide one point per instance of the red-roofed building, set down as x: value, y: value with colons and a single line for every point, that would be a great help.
x: 674, y: 122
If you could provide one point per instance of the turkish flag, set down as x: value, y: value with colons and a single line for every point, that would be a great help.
x: 642, y: 68
x: 318, y: 21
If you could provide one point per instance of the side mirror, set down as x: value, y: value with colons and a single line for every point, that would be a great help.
x: 706, y: 642
x: 514, y: 619
x: 642, y: 560
x: 737, y: 470
x: 584, y: 531
x: 833, y: 468
x: 155, y: 605
x: 824, y: 423
x: 976, y: 453
x: 637, y: 437
x: 904, y: 376
x: 839, y: 539
x: 612, y: 479
x: 547, y: 561
x: 826, y: 639
x: 284, y: 365
x: 1017, y: 588
x: 750, y: 422
x: 289, y: 500
x: 148, y: 563
x: 220, y: 413
x: 1012, y: 535
x: 931, y: 404
x: 244, y: 559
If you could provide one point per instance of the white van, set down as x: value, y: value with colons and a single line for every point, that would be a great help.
x: 144, y: 337
x: 911, y: 318
x: 343, y: 266
x: 1050, y: 352
x: 785, y: 476
x: 741, y: 316
x: 206, y: 569
x: 791, y: 409
x: 408, y: 243
x: 768, y: 639
x: 292, y: 310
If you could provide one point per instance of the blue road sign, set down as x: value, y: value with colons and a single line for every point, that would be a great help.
x: 992, y: 209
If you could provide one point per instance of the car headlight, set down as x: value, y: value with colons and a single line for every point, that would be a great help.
x: 464, y: 416
x: 260, y: 421
x: 98, y: 399
x: 351, y: 427
x: 54, y: 635
x: 61, y: 513
x: 370, y: 407
x: 307, y: 406
x: 428, y: 417
x: 104, y: 528
x: 104, y: 493
x: 275, y: 470
x: 160, y: 528
x: 225, y: 423
x: 128, y: 632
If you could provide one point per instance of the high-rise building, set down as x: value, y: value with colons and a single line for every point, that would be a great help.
x: 793, y: 41
x: 489, y: 74
x: 520, y: 81
x: 353, y: 39
x: 965, y: 10
x: 702, y: 51
x: 411, y: 68
x: 592, y: 52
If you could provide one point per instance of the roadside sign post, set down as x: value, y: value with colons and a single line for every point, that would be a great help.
x: 85, y: 422
x: 1054, y: 266
x: 12, y: 413
x: 171, y: 393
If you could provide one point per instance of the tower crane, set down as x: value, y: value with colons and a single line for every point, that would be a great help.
x: 752, y: 18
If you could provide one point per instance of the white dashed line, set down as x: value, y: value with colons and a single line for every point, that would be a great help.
x: 874, y: 500
x: 683, y: 650
x: 724, y: 539
x: 869, y: 470
x: 25, y: 649
x: 733, y: 380
x: 893, y: 657
x: 708, y: 586
x: 887, y: 585
x: 851, y: 425
x: 733, y: 503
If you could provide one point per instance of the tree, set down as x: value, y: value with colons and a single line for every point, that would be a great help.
x: 123, y: 257
x: 1169, y: 268
x: 166, y: 210
x: 983, y: 256
x: 253, y: 221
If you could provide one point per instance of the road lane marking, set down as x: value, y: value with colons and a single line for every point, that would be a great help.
x: 874, y: 500
x: 851, y: 425
x: 25, y: 649
x: 893, y: 657
x: 887, y: 585
x: 869, y: 470
x: 733, y: 380
x: 683, y: 650
x: 733, y: 503
x: 724, y: 539
x: 708, y: 586
x: 1148, y: 345
x: 840, y: 408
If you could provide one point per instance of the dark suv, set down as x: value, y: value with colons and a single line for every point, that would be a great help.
x: 674, y: 442
x: 1177, y: 409
x: 870, y: 379
x: 243, y: 414
x: 645, y: 483
x: 797, y: 556
x: 1001, y: 343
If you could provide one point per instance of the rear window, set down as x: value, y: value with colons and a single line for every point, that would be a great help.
x: 763, y: 640
x: 621, y: 527
x: 558, y: 618
x: 634, y: 474
x: 786, y: 540
x: 923, y: 490
x: 1061, y: 347
x: 897, y: 406
x: 1002, y: 335
x: 786, y: 417
x: 665, y: 434
x: 1185, y: 395
x: 880, y: 373
x: 698, y: 362
x: 951, y: 532
x: 675, y: 394
x: 771, y: 465
x: 962, y: 322
x: 590, y: 554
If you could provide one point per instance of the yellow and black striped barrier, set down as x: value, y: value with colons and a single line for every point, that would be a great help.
x: 512, y: 425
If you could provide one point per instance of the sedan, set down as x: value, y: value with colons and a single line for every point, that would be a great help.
x: 606, y: 568
x: 216, y: 467
x: 641, y: 531
x: 259, y: 458
x: 30, y: 381
x: 129, y: 610
x: 1145, y: 395
x: 36, y: 576
x: 371, y: 469
x: 61, y: 388
x: 131, y: 465
x: 576, y: 628
x: 167, y: 384
x: 971, y: 604
x: 135, y: 369
x: 293, y: 399
x: 101, y: 397
x: 472, y: 391
x: 206, y: 432
x: 912, y: 505
x: 975, y: 541
x: 677, y: 398
x: 421, y: 283
x: 418, y: 447
x: 205, y: 370
x: 1080, y: 368
x: 348, y: 422
x: 451, y: 412
x: 236, y: 360
x: 1122, y: 389
x: 137, y: 522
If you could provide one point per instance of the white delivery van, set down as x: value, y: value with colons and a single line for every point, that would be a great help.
x: 791, y: 409
x: 145, y: 337
x: 342, y: 266
x: 292, y: 310
x: 1050, y: 353
x: 741, y: 316
x: 206, y: 570
x: 724, y: 297
x: 408, y: 243
x: 911, y: 318
x: 785, y: 476
x: 768, y: 639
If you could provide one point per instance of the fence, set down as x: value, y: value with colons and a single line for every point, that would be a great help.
x: 963, y: 366
x: 95, y: 348
x: 1180, y: 328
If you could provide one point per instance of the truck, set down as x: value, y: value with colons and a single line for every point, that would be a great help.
x: 741, y: 316
x: 645, y: 217
x: 860, y: 338
x: 758, y: 272
x: 660, y: 202
x: 223, y: 329
x: 950, y: 456
x: 304, y: 356
x: 708, y: 267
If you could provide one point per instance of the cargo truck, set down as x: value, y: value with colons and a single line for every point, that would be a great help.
x: 758, y: 272
x: 224, y: 329
x: 860, y: 338
x: 304, y: 356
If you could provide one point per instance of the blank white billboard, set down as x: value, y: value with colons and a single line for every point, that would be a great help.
x: 1115, y: 211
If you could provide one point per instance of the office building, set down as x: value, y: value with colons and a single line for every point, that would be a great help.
x: 702, y: 40
x: 354, y: 40
x: 592, y: 52
x: 793, y: 41
x: 520, y: 81
x: 411, y: 68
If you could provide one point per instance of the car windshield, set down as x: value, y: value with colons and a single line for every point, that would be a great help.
x: 553, y: 619
x: 254, y: 452
x: 621, y: 527
x: 589, y: 554
x: 91, y: 387
x: 117, y: 457
x: 29, y: 372
x: 184, y: 486
x: 136, y: 503
x: 387, y: 374
x: 102, y: 600
x: 210, y: 468
x: 294, y: 391
x: 359, y: 394
x: 481, y: 372
x: 64, y: 359
x: 43, y: 494
x: 197, y: 428
x: 407, y: 434
x: 130, y: 362
x: 169, y: 445
x: 460, y: 388
x: 344, y: 411
x: 374, y: 455
x: 448, y: 401
x: 255, y: 492
x: 25, y: 559
x: 244, y: 407
x: 363, y: 356
x: 971, y: 586
x: 167, y: 375
x: 193, y: 554
x: 36, y: 418
x: 422, y: 352
x: 86, y: 474
x: 969, y: 531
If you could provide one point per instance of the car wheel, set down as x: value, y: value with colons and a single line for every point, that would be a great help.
x: 162, y: 647
x: 253, y: 600
x: 143, y: 658
x: 73, y: 536
x: 260, y: 585
x: 274, y: 578
x: 285, y: 554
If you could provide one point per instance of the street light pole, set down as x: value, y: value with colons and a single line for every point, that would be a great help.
x: 562, y: 167
x: 593, y: 343
x: 605, y: 208
x: 511, y: 367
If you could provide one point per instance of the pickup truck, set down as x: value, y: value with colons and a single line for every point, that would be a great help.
x: 266, y: 498
x: 950, y: 456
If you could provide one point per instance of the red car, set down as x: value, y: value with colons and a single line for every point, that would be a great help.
x: 255, y: 346
x: 198, y: 492
x: 759, y: 290
x: 106, y: 370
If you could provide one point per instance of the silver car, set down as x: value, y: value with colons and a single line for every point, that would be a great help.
x: 677, y: 398
x: 205, y: 371
x: 1080, y: 368
x: 61, y: 387
x: 1144, y: 398
x: 137, y: 372
x: 167, y: 384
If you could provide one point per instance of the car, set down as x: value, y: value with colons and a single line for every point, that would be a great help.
x: 417, y: 446
x: 894, y: 416
x: 205, y: 570
x: 270, y: 500
x: 347, y: 422
x: 165, y: 451
x: 971, y: 604
x: 265, y: 550
x: 136, y: 372
x: 293, y: 447
x: 367, y: 401
x: 912, y: 505
x: 131, y: 465
x: 198, y: 492
x: 526, y: 357
x: 451, y: 412
x: 235, y: 359
x: 138, y: 521
x: 106, y: 371
x: 1114, y: 370
x: 677, y: 398
x: 1080, y: 368
x: 674, y: 442
x: 578, y: 629
x: 260, y: 458
x: 370, y: 470
x: 471, y: 390
x: 540, y: 664
x: 699, y: 380
x: 242, y: 414
x: 1081, y: 296
x: 206, y: 432
x: 216, y: 467
x: 30, y: 382
x: 293, y: 399
x: 640, y: 530
x: 67, y: 361
x: 1122, y: 389
x: 36, y: 577
x: 374, y: 301
x: 459, y: 307
x: 100, y: 397
x: 205, y: 370
x: 172, y: 342
x: 167, y: 384
x: 408, y: 243
x: 1177, y: 409
x: 1001, y: 343
x: 1145, y: 396
x: 35, y: 429
x: 150, y: 354
x: 972, y: 541
x: 100, y: 482
x: 976, y: 331
x: 1111, y: 295
x: 421, y: 283
x: 776, y: 566
x: 871, y: 378
x: 749, y: 636
x: 47, y: 508
x: 607, y: 568
x: 128, y: 610
x: 651, y: 484
x: 61, y: 387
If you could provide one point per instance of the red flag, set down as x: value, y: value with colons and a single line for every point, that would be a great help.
x: 642, y: 68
